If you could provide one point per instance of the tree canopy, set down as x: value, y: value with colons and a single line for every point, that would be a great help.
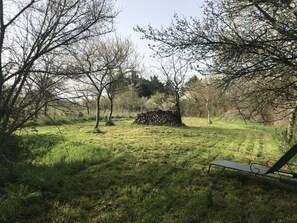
x: 242, y: 41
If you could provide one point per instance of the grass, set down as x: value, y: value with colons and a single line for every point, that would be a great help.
x: 133, y: 173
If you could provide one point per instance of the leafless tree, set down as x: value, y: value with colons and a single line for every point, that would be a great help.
x: 38, y: 28
x: 207, y: 93
x: 103, y: 63
x: 46, y: 87
x: 175, y: 70
x: 111, y: 90
x: 32, y: 29
x: 87, y: 97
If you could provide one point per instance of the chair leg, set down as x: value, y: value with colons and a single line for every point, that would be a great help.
x: 209, y: 166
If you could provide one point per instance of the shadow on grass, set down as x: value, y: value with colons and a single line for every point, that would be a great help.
x: 27, y: 189
x: 40, y: 144
x: 129, y: 189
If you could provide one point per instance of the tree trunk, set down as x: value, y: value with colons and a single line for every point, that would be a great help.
x: 111, y: 107
x: 36, y: 110
x: 46, y: 108
x: 290, y: 128
x: 88, y: 108
x: 97, y: 111
x: 208, y: 112
x: 177, y: 101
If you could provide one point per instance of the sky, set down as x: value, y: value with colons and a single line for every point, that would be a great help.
x: 151, y: 12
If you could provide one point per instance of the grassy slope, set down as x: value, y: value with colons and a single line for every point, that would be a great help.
x: 132, y: 173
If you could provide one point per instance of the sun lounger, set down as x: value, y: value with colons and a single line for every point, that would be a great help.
x: 253, y: 168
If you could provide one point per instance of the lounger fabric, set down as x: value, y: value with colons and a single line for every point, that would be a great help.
x: 256, y: 169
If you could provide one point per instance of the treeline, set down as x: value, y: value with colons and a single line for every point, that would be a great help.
x: 200, y: 97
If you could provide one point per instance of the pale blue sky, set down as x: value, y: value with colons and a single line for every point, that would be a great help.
x: 154, y: 12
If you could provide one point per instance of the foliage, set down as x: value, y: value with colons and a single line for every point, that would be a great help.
x: 129, y: 101
x: 159, y: 101
x: 149, y: 87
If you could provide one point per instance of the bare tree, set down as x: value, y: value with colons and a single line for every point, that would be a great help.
x: 31, y: 29
x: 111, y: 90
x: 40, y: 27
x: 119, y: 82
x: 87, y: 100
x: 46, y: 87
x: 104, y: 63
x: 206, y: 92
x: 175, y: 70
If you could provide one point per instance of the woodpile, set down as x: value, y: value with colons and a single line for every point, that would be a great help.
x: 158, y: 117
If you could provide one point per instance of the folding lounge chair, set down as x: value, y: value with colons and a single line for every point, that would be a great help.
x: 259, y: 169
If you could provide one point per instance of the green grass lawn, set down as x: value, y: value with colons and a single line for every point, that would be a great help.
x: 133, y: 173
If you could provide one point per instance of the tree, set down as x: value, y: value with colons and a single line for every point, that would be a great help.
x: 144, y: 88
x: 31, y: 29
x: 46, y: 87
x: 102, y: 64
x: 156, y: 85
x: 205, y: 92
x: 244, y: 42
x: 147, y: 87
x: 114, y: 87
x: 86, y: 95
x: 175, y: 70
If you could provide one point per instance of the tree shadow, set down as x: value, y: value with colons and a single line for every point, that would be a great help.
x: 129, y: 189
x: 39, y: 145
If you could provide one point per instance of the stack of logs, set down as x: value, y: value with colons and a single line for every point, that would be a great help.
x: 158, y: 117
